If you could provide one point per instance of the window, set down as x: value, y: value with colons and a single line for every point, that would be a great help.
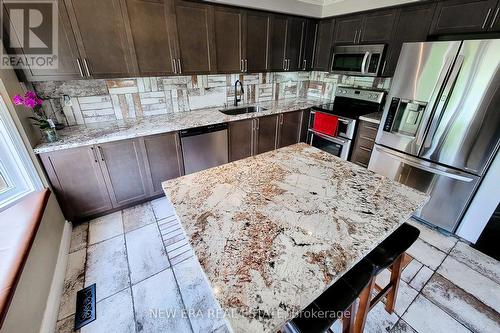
x: 18, y: 176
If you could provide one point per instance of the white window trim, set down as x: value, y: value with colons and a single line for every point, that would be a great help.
x: 15, y: 161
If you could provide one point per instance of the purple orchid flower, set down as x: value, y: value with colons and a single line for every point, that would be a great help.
x: 17, y: 100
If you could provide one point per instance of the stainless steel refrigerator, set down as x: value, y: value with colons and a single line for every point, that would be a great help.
x: 441, y: 125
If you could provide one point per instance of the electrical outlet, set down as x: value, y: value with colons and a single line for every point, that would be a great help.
x: 67, y: 100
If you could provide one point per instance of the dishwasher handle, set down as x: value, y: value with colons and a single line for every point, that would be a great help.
x: 203, y: 130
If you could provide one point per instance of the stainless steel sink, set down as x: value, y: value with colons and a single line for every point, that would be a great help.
x: 247, y: 109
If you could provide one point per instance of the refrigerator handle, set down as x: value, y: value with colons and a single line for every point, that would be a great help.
x: 435, y: 94
x: 443, y: 100
x: 416, y: 163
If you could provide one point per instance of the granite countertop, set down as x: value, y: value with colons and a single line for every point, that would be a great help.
x: 273, y: 231
x: 374, y: 117
x: 84, y: 135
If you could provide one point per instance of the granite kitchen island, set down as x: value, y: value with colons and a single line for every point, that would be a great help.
x: 273, y: 231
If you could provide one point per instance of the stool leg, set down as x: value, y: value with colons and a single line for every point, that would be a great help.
x: 397, y: 267
x: 364, y: 307
x: 348, y: 321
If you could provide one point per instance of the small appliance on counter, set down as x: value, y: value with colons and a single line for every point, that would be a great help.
x: 332, y: 126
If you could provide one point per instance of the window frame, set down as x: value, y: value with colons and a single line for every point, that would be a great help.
x: 16, y: 165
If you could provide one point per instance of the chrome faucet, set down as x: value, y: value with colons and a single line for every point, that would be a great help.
x: 236, y: 99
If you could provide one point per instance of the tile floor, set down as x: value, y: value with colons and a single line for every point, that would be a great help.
x: 148, y: 280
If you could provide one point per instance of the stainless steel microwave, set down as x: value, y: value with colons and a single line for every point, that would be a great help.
x: 363, y: 60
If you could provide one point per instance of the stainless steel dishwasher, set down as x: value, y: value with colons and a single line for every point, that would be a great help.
x: 204, y: 147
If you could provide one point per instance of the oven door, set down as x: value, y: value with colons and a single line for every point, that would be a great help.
x: 336, y: 146
x: 357, y: 60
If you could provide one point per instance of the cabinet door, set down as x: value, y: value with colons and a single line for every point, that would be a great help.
x: 77, y: 181
x: 495, y: 21
x: 290, y: 128
x: 122, y: 163
x: 67, y: 51
x: 324, y: 42
x: 347, y: 29
x: 377, y: 27
x: 257, y: 29
x: 150, y: 33
x: 309, y: 45
x: 103, y: 38
x: 267, y: 128
x: 228, y: 39
x: 278, y: 42
x: 412, y: 25
x: 195, y: 35
x: 241, y: 139
x: 461, y: 16
x: 163, y: 159
x: 295, y: 37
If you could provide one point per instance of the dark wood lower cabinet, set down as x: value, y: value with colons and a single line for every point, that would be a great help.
x: 78, y: 181
x: 241, y: 139
x: 122, y: 164
x: 290, y: 128
x: 163, y: 159
x: 267, y: 130
x: 364, y: 142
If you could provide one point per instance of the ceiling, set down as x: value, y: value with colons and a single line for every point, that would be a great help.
x: 313, y: 8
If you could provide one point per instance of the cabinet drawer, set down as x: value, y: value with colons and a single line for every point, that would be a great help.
x: 365, y: 141
x: 361, y: 156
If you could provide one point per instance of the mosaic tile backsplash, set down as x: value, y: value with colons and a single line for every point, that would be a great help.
x: 90, y: 101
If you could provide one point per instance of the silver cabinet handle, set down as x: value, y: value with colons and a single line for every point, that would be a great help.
x: 241, y: 65
x: 486, y: 18
x: 284, y: 64
x: 495, y: 17
x: 179, y: 65
x: 80, y: 67
x: 246, y: 65
x: 101, y: 152
x: 305, y: 64
x: 288, y: 64
x: 355, y: 36
x: 174, y: 66
x: 359, y: 35
x: 94, y: 153
x: 281, y: 118
x: 257, y: 124
x: 86, y: 65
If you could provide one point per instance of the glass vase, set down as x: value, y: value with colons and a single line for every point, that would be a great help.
x: 50, y: 134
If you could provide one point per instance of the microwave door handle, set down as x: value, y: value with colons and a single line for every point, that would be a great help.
x: 363, y: 64
x: 443, y: 101
x: 429, y: 168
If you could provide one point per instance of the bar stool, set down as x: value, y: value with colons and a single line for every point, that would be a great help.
x: 390, y: 253
x: 340, y: 297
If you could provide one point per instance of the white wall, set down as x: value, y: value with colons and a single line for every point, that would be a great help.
x: 483, y: 205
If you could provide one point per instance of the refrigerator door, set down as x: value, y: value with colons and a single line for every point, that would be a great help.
x: 421, y: 72
x: 465, y: 129
x: 450, y: 190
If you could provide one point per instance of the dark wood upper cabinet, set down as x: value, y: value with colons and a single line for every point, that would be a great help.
x: 163, y: 159
x: 290, y: 125
x: 324, y: 42
x: 241, y: 139
x: 495, y: 21
x: 267, y: 129
x: 377, y: 27
x: 278, y: 42
x: 463, y: 16
x: 309, y: 45
x: 295, y: 37
x: 103, y: 37
x: 194, y: 29
x: 347, y: 29
x: 228, y: 24
x: 78, y: 182
x: 412, y: 25
x: 256, y: 36
x: 150, y: 28
x: 68, y: 57
x: 122, y: 164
